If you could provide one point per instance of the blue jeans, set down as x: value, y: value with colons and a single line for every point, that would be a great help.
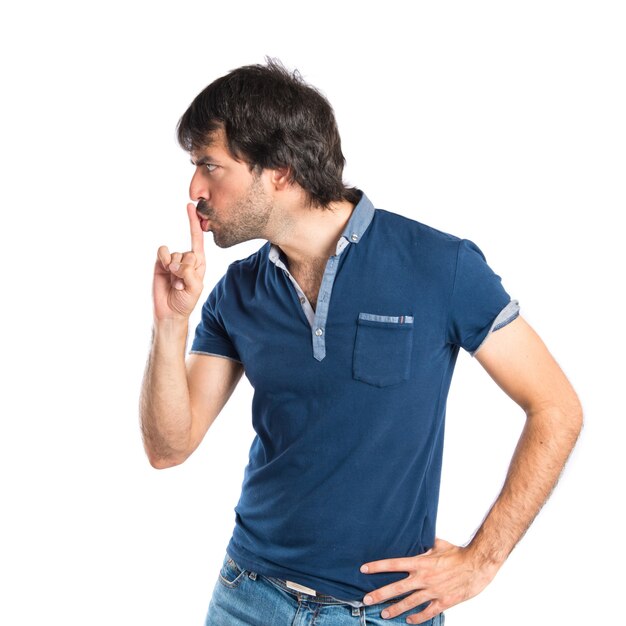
x: 245, y: 598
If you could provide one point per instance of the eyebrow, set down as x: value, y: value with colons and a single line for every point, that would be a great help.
x: 203, y: 160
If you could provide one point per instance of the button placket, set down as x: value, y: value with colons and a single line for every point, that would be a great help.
x: 317, y: 319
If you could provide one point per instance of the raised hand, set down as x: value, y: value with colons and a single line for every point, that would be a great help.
x: 178, y: 276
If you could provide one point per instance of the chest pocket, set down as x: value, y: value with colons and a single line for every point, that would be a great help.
x: 382, y: 349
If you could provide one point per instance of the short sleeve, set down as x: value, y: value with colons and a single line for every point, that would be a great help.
x: 211, y: 336
x: 479, y: 303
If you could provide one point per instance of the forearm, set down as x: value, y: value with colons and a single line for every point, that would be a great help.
x: 544, y: 446
x: 165, y: 409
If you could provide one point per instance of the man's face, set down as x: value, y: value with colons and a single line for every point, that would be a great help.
x: 232, y: 202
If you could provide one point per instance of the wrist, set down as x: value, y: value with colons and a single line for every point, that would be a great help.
x: 486, y: 558
x: 170, y: 328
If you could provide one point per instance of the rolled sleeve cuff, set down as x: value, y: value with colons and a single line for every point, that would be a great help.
x: 506, y: 315
x: 214, y: 354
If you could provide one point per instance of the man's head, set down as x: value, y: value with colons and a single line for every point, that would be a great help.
x: 233, y: 202
x: 272, y: 119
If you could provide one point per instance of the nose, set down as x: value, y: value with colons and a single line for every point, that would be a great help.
x: 198, y: 187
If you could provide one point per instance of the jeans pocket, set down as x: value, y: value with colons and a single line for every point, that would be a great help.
x: 382, y: 349
x: 230, y: 573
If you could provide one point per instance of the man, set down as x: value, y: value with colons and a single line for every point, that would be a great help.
x: 347, y: 323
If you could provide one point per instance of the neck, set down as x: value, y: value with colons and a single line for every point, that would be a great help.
x: 310, y: 235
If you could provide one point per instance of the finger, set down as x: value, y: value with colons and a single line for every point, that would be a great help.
x: 197, y: 236
x: 388, y: 591
x: 184, y: 277
x: 176, y: 257
x: 418, y: 600
x: 426, y: 615
x: 403, y: 564
x: 164, y: 256
x: 190, y: 258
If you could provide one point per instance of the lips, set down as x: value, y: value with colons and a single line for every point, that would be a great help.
x: 202, y: 213
x: 204, y: 222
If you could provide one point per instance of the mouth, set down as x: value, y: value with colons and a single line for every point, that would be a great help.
x: 201, y: 212
x: 204, y: 222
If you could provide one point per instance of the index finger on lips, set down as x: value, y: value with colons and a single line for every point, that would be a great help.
x: 197, y: 236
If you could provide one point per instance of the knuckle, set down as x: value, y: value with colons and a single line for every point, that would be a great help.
x: 187, y: 273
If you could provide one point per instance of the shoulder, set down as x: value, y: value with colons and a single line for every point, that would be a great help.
x: 432, y: 241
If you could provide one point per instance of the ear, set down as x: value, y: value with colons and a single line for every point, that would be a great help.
x: 279, y: 178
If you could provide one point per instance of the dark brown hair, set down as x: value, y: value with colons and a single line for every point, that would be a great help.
x: 272, y: 119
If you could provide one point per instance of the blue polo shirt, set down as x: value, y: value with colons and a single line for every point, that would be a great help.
x: 350, y: 399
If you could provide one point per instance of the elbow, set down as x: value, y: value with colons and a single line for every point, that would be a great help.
x: 163, y: 462
x: 571, y: 423
x: 160, y: 453
x: 574, y: 425
x: 563, y: 419
x: 577, y: 419
x: 574, y: 415
x: 160, y: 462
x: 164, y: 459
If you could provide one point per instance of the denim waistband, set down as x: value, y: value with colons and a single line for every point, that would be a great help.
x: 318, y: 597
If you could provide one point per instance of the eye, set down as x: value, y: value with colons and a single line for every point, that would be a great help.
x: 210, y: 167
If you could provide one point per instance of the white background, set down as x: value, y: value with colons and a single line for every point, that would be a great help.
x: 497, y: 121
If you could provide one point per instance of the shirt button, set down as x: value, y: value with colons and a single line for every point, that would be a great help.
x: 302, y: 300
x: 354, y: 237
x: 319, y: 331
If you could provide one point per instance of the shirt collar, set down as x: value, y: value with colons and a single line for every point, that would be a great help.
x: 360, y: 219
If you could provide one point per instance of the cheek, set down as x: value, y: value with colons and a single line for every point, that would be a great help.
x: 221, y: 199
x: 229, y: 187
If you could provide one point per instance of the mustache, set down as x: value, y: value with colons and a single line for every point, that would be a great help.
x: 203, y: 208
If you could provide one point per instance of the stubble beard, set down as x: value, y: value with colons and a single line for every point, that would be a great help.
x: 248, y: 218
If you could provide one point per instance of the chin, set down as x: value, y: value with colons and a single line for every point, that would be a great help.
x: 229, y: 242
x: 223, y: 244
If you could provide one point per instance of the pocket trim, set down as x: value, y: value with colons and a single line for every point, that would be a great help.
x: 399, y: 319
